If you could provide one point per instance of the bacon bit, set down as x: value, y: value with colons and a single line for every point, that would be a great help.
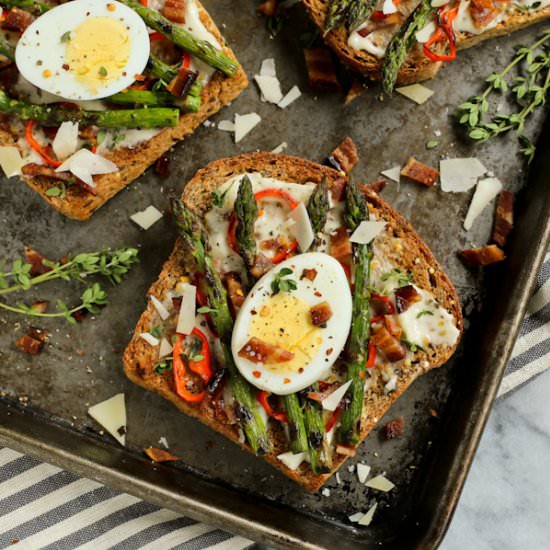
x: 79, y: 315
x: 376, y: 186
x: 309, y: 274
x: 176, y: 302
x: 38, y: 334
x: 483, y: 12
x: 394, y: 428
x: 162, y: 166
x: 405, y: 297
x: 329, y: 351
x: 433, y: 413
x: 30, y: 345
x: 504, y: 218
x: 160, y: 455
x: 320, y: 69
x: 388, y: 304
x: 286, y: 380
x: 41, y: 170
x: 184, y: 79
x: 17, y: 20
x: 256, y: 374
x: 268, y: 8
x: 345, y: 451
x: 485, y: 255
x: 258, y: 351
x: 388, y: 345
x: 340, y: 245
x: 174, y: 10
x: 235, y: 291
x: 392, y: 326
x: 357, y: 89
x: 419, y: 172
x: 338, y: 188
x: 345, y: 156
x: 36, y: 260
x: 320, y: 313
x: 262, y: 264
x: 40, y: 306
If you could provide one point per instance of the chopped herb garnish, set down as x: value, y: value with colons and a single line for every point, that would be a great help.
x: 58, y: 191
x: 66, y: 37
x: 412, y: 346
x: 163, y: 366
x: 424, y: 312
x: 218, y: 196
x: 157, y: 331
x: 281, y: 284
x: 432, y: 144
x: 101, y: 135
x: 206, y: 309
x: 102, y: 72
x: 397, y: 277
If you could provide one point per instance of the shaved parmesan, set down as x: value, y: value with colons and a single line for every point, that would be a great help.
x: 367, y: 231
x: 486, y: 190
x: 160, y: 307
x: 426, y: 32
x: 111, y: 414
x: 244, y: 124
x: 11, y: 161
x: 293, y: 94
x: 84, y: 164
x: 226, y: 126
x: 354, y: 518
x: 149, y: 338
x: 280, y: 148
x: 391, y: 384
x: 268, y: 67
x: 302, y: 230
x: 331, y: 402
x: 363, y: 472
x: 380, y: 483
x: 418, y: 93
x: 458, y: 175
x: 65, y: 142
x: 393, y: 173
x: 186, y: 317
x: 165, y: 348
x: 367, y: 518
x: 270, y: 87
x: 389, y: 7
x: 291, y: 460
x: 146, y: 218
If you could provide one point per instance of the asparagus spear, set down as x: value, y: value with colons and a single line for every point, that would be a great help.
x: 28, y: 5
x: 320, y: 454
x: 158, y: 68
x: 296, y: 422
x: 184, y: 39
x: 358, y: 12
x: 6, y: 49
x: 191, y: 102
x: 317, y: 209
x: 336, y: 15
x: 402, y: 42
x: 126, y: 118
x: 196, y: 241
x: 356, y: 210
x: 246, y: 211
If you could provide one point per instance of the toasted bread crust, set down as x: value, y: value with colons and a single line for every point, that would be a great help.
x: 415, y: 256
x: 80, y: 205
x: 417, y: 67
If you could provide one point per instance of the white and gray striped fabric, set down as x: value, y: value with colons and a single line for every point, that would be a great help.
x: 42, y: 506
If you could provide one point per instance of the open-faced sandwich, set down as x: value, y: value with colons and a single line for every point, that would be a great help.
x: 406, y: 41
x: 94, y: 91
x: 294, y: 310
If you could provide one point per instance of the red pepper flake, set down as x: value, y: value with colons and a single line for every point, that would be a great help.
x: 329, y: 351
x: 256, y: 374
x: 300, y: 370
x: 286, y: 380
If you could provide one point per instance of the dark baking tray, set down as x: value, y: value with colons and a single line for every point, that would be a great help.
x: 44, y: 399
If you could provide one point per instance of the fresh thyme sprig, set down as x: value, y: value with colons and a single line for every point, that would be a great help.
x: 528, y: 89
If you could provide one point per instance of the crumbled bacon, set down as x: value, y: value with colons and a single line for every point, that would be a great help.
x: 345, y: 451
x: 268, y: 8
x: 504, y: 218
x: 28, y: 344
x: 17, y: 20
x: 36, y: 260
x: 174, y: 10
x: 262, y: 264
x: 405, y: 297
x: 338, y: 189
x: 483, y: 12
x: 32, y: 169
x: 340, y: 245
x: 376, y: 186
x: 320, y: 313
x: 419, y: 172
x: 394, y: 428
x: 38, y: 333
x: 162, y: 166
x: 394, y: 328
x: 41, y: 306
x: 258, y: 351
x: 309, y: 274
x: 485, y: 255
x: 320, y: 69
x: 160, y: 455
x: 184, y: 79
x: 388, y: 344
x: 235, y: 291
x: 357, y: 89
x: 345, y: 156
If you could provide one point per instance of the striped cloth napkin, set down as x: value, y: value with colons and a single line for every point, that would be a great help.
x: 42, y: 506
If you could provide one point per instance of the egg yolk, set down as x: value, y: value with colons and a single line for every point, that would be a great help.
x: 285, y: 321
x: 98, y: 51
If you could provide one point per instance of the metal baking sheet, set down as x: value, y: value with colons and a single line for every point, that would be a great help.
x: 44, y: 399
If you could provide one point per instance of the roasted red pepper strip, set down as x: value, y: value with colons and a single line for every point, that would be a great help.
x: 154, y: 36
x: 386, y: 300
x: 274, y: 193
x: 445, y: 30
x: 262, y: 398
x: 143, y: 2
x: 202, y: 367
x: 181, y: 374
x: 371, y: 358
x: 332, y: 420
x: 231, y: 238
x: 36, y: 146
x: 285, y: 252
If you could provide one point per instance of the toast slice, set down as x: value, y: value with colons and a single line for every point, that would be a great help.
x: 403, y: 248
x: 132, y: 162
x: 417, y: 67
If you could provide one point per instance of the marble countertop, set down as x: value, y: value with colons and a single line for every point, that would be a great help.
x: 506, y: 499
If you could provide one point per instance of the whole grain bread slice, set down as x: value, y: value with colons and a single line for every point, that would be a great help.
x: 132, y: 162
x: 417, y: 67
x: 412, y: 255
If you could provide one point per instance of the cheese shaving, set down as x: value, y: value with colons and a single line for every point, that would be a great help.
x: 146, y: 218
x: 393, y: 173
x: 160, y: 307
x: 460, y: 174
x: 486, y: 190
x: 331, y: 402
x: 65, y: 142
x: 149, y: 338
x: 270, y: 87
x: 165, y: 348
x: 268, y: 67
x: 11, y: 161
x: 111, y: 414
x: 418, y: 93
x: 380, y: 483
x: 244, y: 124
x: 363, y: 471
x: 302, y: 230
x: 186, y: 317
x: 367, y: 231
x: 367, y: 518
x: 280, y: 148
x: 293, y: 94
x: 226, y: 126
x: 84, y: 164
x: 290, y: 460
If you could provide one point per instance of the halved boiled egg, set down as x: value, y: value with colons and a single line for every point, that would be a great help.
x: 84, y: 49
x: 293, y: 324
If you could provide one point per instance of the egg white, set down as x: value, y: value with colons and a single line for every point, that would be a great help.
x: 332, y: 285
x: 40, y: 48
